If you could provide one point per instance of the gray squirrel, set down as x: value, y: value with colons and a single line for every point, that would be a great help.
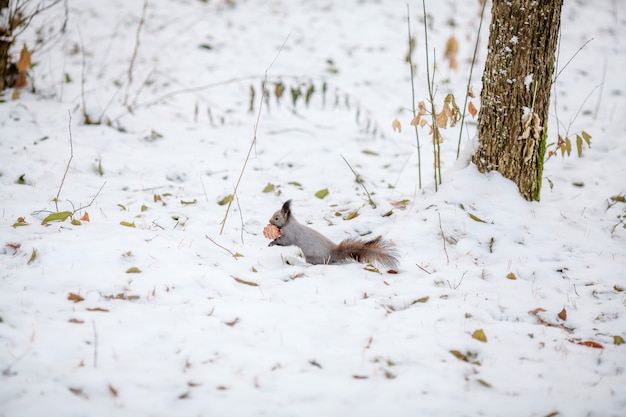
x: 318, y: 249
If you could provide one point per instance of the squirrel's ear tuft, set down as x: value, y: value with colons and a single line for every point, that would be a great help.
x: 286, y: 208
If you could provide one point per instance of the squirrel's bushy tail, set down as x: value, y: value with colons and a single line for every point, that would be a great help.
x: 374, y: 251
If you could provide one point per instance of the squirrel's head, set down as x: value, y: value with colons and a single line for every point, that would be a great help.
x: 281, y: 216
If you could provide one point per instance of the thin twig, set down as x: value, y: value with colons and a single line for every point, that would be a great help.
x: 443, y: 237
x: 67, y: 168
x: 95, y: 344
x: 256, y: 127
x: 423, y: 269
x: 571, y: 59
x: 431, y: 96
x: 417, y: 136
x: 220, y: 246
x: 469, y: 79
x: 359, y: 181
x: 92, y: 200
x: 87, y: 120
x: 135, y: 50
x: 595, y: 111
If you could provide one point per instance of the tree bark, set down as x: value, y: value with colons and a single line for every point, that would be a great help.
x: 515, y: 96
x: 5, y: 44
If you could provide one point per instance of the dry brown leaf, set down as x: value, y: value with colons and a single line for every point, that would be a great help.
x: 75, y: 297
x: 85, y: 217
x: 416, y: 120
x: 442, y: 119
x: 24, y: 62
x: 472, y: 109
x: 397, y: 127
x: 562, y: 315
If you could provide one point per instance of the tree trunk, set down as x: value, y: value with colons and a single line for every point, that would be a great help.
x: 5, y: 44
x: 515, y: 96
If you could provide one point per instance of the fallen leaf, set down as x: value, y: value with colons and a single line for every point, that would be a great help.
x: 60, y: 216
x: 322, y: 193
x: 479, y: 335
x: 591, y: 343
x: 562, y: 315
x: 75, y: 297
x: 133, y: 270
x: 618, y: 340
x: 232, y: 323
x: 243, y: 281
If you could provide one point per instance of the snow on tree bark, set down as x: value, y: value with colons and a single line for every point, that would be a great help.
x: 515, y: 96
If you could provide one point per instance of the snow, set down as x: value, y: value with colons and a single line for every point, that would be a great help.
x: 184, y: 337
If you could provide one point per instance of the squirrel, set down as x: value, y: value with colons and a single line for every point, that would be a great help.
x: 318, y: 249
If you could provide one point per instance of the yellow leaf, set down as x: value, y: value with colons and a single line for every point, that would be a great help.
x: 579, y: 145
x: 133, y: 270
x: 480, y: 335
x: 511, y: 275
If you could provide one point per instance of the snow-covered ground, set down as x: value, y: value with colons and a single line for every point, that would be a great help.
x: 196, y: 331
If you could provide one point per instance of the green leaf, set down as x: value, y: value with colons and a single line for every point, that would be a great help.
x: 33, y: 256
x: 127, y: 224
x: 479, y: 335
x: 225, y: 200
x: 60, y: 216
x: 579, y: 145
x: 368, y: 152
x: 268, y: 188
x: 295, y: 183
x: 322, y: 193
x: 188, y: 203
x: 206, y: 46
x: 21, y: 180
x: 420, y: 300
x: 76, y: 222
x: 618, y: 340
x: 476, y: 218
x: 144, y: 208
x: 133, y: 270
x: 587, y: 137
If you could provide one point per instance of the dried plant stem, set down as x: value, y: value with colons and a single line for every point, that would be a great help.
x: 469, y: 78
x: 413, y: 109
x: 135, y: 50
x: 443, y: 237
x: 67, y: 167
x: 95, y: 345
x: 220, y: 246
x: 359, y: 180
x: 253, y: 143
x: 435, y: 128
